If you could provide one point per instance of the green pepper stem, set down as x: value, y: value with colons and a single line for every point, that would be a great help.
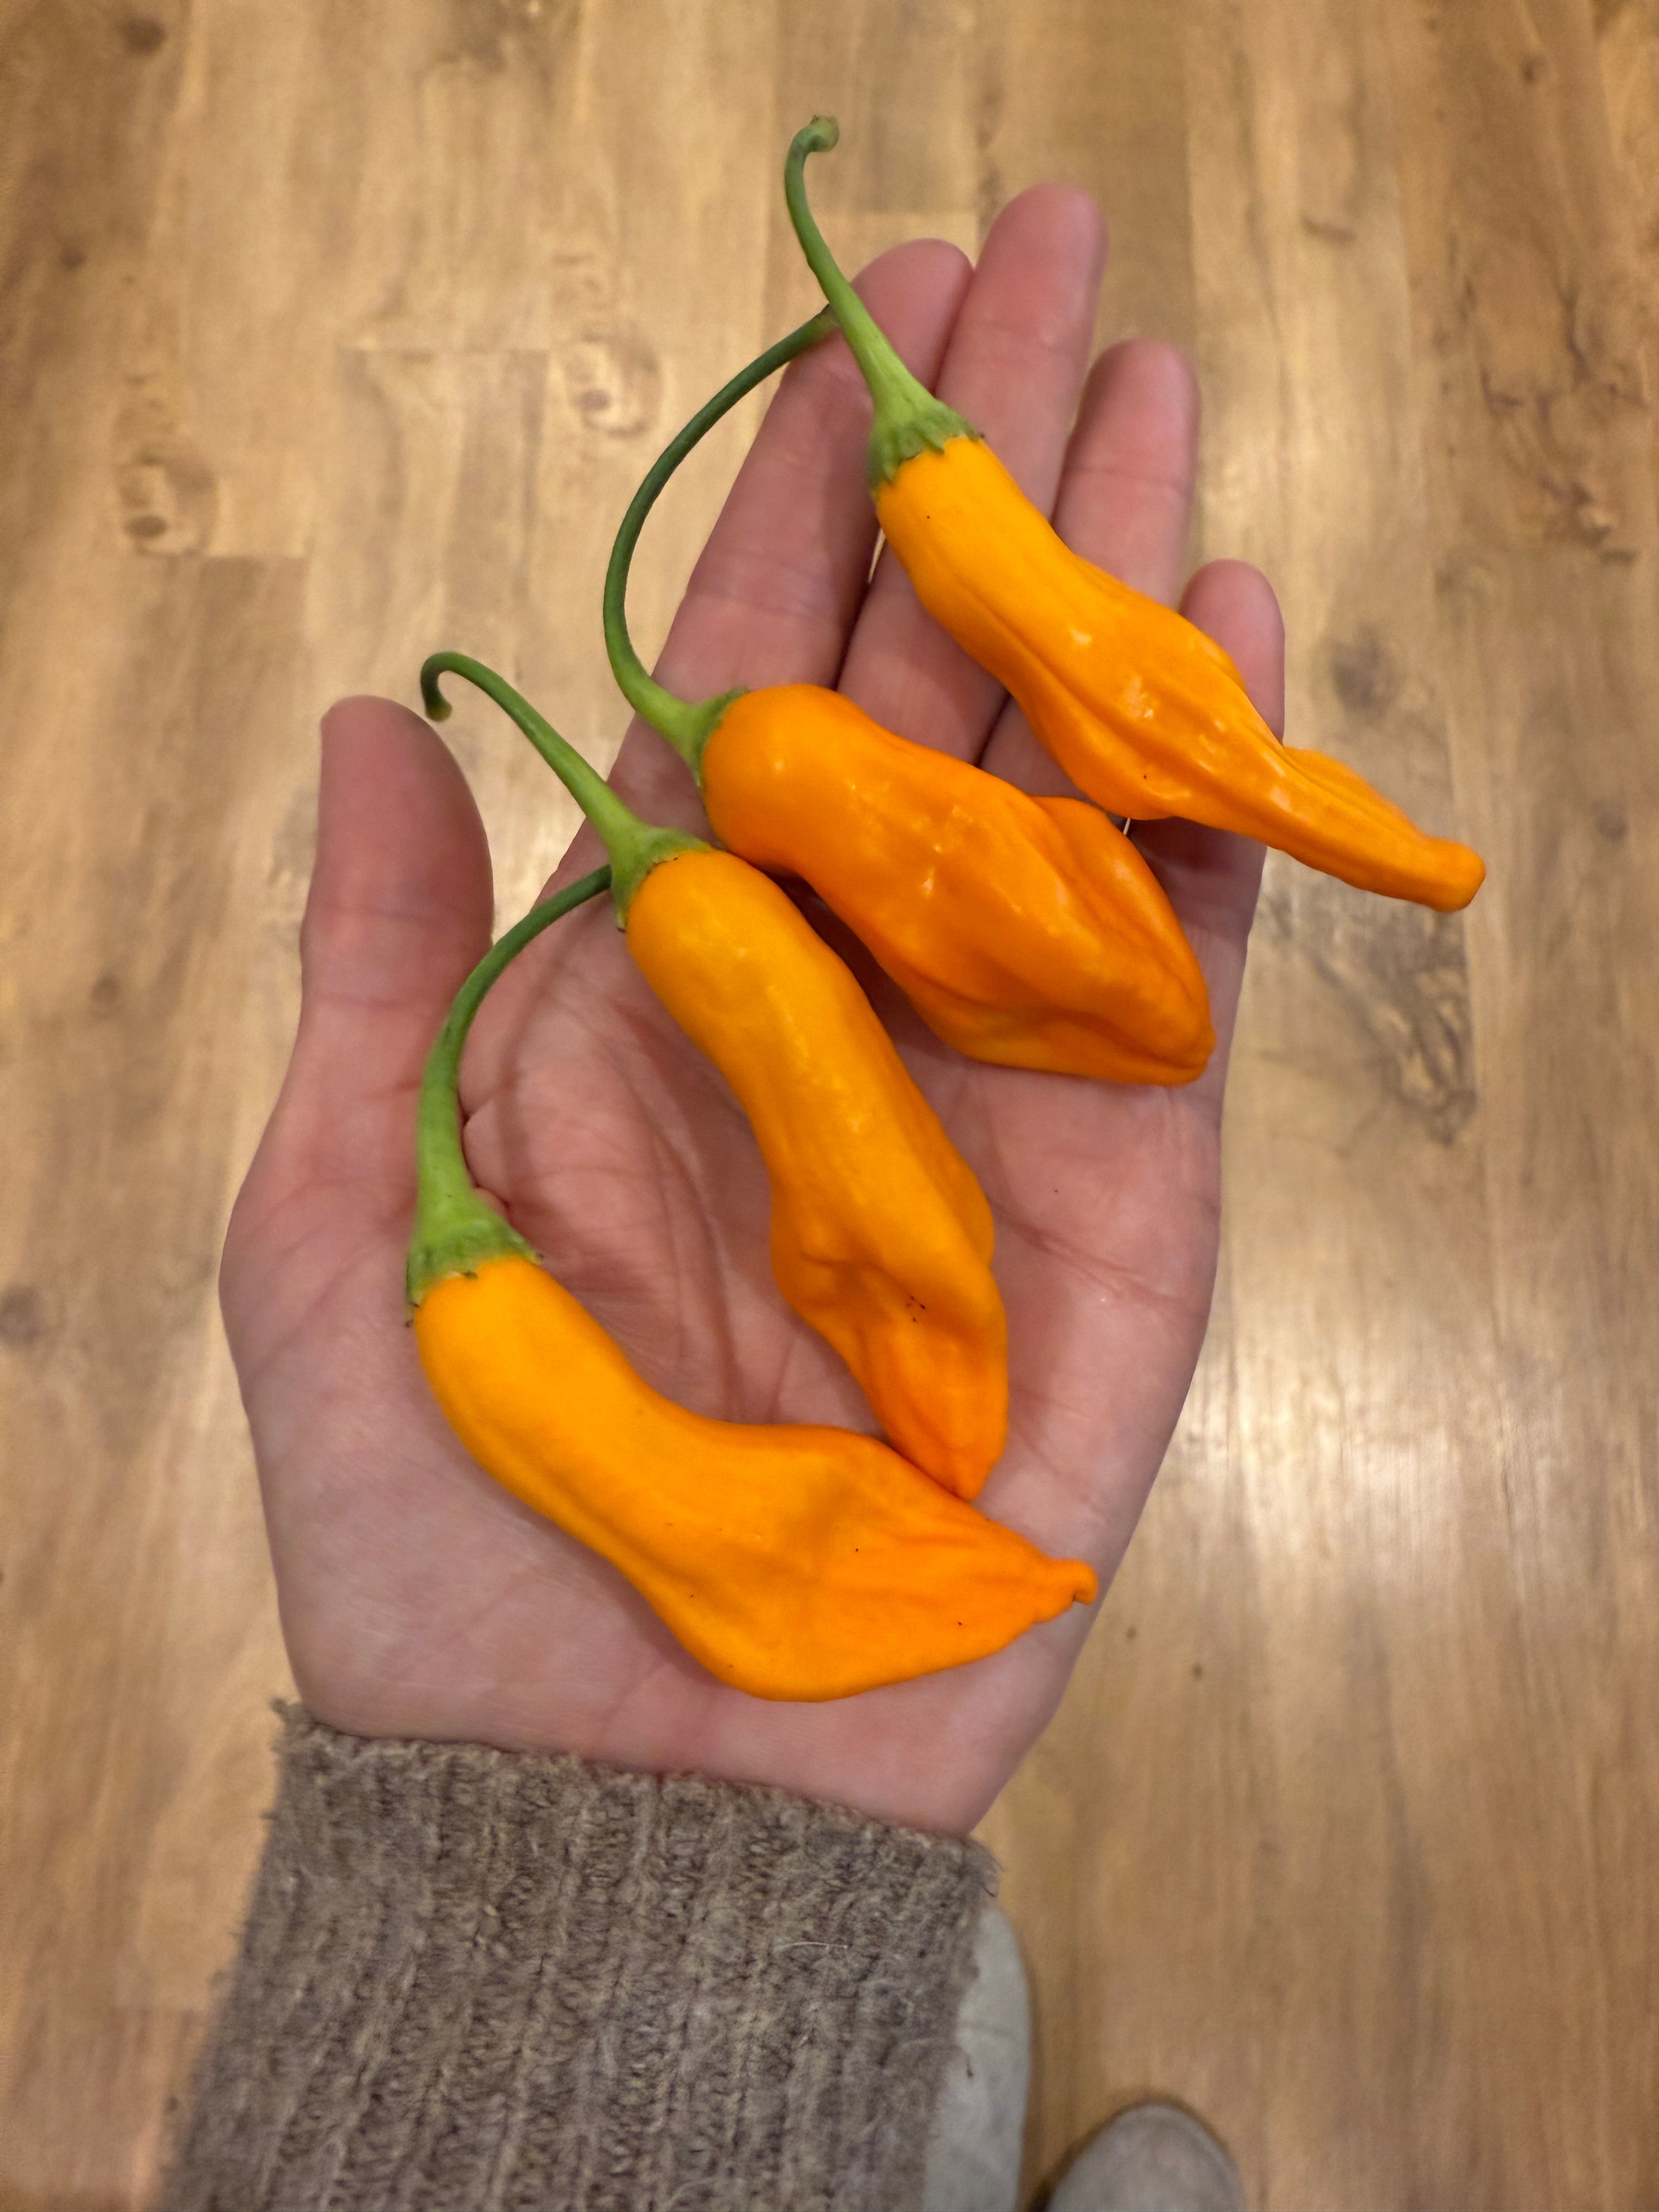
x: 908, y: 418
x: 688, y: 726
x: 455, y: 1232
x: 634, y: 846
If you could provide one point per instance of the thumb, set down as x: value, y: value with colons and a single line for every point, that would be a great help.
x: 399, y: 911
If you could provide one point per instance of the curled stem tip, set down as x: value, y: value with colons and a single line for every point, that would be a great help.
x: 455, y: 1232
x: 634, y: 846
x: 688, y: 726
x: 908, y: 418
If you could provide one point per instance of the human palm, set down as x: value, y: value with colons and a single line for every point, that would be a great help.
x: 420, y: 1599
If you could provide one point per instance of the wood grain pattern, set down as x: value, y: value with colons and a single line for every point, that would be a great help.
x: 332, y: 334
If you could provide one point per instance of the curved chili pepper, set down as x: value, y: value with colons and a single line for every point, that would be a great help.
x: 1143, y: 712
x: 801, y: 1563
x: 1026, y: 932
x: 881, y: 1239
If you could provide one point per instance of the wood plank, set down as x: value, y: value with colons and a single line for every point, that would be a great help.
x: 1537, y: 383
x: 1627, y: 37
x: 140, y: 1633
x: 1094, y: 92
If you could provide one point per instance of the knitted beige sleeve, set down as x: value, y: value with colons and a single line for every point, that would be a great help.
x: 470, y: 1978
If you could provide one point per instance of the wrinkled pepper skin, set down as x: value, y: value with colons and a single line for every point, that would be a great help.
x: 1029, y: 932
x: 1145, y: 713
x: 881, y: 1237
x: 799, y: 1563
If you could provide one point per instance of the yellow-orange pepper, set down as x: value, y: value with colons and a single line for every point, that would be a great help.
x: 1025, y: 931
x: 1145, y: 712
x: 793, y: 1562
x: 797, y: 1563
x: 881, y: 1237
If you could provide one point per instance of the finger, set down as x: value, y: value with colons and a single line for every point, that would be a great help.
x: 776, y: 590
x: 1234, y: 604
x: 1126, y: 496
x: 1211, y: 877
x: 1125, y: 502
x: 1013, y: 367
x: 398, y: 912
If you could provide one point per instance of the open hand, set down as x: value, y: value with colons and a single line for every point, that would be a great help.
x: 419, y: 1599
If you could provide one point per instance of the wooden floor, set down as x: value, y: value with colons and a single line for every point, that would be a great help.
x: 337, y: 331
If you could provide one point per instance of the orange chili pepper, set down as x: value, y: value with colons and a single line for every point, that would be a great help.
x: 1025, y: 931
x: 1144, y: 713
x: 799, y: 1563
x: 881, y: 1237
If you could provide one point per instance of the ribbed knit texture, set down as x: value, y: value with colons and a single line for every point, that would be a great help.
x: 473, y: 1980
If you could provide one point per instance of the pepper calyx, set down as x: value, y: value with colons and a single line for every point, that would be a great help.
x: 896, y: 441
x: 459, y: 1240
x: 631, y: 866
x: 699, y: 725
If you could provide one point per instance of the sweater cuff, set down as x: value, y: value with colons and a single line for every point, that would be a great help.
x: 476, y: 1978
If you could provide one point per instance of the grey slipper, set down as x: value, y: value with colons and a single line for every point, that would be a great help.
x: 1153, y: 2158
x: 979, y: 2124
